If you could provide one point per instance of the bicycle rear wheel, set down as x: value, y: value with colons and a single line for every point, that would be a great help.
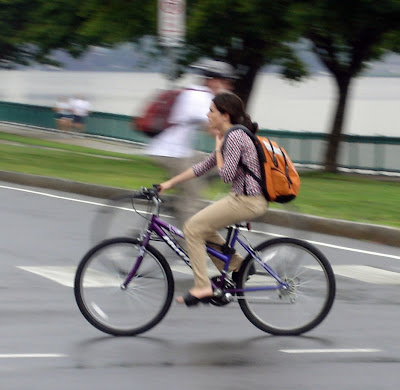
x: 308, y: 298
x: 123, y: 311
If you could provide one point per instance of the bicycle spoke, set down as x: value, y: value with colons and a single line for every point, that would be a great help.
x: 120, y: 310
x: 305, y: 299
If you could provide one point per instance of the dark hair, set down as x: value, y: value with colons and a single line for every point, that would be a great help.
x: 231, y: 104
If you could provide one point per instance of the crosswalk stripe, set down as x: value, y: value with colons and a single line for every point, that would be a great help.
x: 332, y: 350
x: 65, y: 275
x: 366, y: 274
x: 30, y: 355
x: 184, y: 269
x: 60, y: 274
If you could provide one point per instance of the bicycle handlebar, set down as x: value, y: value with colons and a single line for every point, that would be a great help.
x: 150, y: 193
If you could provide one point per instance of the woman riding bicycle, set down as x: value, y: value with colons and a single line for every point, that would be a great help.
x: 233, y: 149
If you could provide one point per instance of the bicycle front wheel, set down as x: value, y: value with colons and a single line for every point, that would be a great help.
x: 113, y: 308
x: 307, y: 298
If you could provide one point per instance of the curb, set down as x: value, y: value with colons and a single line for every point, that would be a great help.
x: 369, y: 232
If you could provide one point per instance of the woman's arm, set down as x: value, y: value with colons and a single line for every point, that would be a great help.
x: 182, y: 177
x: 219, y: 139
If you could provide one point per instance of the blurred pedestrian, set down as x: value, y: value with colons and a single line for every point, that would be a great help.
x: 173, y: 148
x: 63, y: 113
x: 81, y: 109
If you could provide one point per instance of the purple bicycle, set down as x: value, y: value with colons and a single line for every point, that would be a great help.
x: 124, y: 286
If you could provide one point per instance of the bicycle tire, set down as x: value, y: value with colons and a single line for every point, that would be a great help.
x: 112, y: 309
x: 306, y: 302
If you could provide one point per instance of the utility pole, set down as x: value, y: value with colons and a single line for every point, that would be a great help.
x: 171, y: 30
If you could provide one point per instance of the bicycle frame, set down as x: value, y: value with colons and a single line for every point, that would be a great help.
x: 161, y: 227
x: 285, y: 286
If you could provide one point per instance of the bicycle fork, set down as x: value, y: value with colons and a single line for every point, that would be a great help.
x: 142, y: 252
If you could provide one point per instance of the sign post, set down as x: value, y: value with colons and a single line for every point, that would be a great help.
x: 171, y: 28
x: 171, y: 22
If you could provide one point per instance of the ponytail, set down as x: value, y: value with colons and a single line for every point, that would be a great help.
x: 252, y: 126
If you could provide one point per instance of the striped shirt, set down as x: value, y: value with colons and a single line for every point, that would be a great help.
x: 237, y: 147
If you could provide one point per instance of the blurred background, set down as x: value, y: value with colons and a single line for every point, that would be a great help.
x: 325, y: 66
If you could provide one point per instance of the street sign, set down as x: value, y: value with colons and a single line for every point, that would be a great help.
x: 171, y: 22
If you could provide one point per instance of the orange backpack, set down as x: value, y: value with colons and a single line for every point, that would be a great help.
x: 279, y: 179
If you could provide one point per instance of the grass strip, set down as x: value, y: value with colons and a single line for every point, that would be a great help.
x: 339, y: 196
x: 352, y: 198
x: 126, y: 173
x: 42, y: 143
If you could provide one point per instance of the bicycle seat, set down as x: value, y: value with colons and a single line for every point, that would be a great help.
x: 246, y: 225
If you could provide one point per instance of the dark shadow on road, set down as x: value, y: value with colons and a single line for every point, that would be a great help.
x: 145, y: 351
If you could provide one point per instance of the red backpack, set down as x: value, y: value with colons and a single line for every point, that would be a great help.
x: 155, y: 116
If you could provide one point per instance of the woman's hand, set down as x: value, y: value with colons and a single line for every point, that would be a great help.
x: 212, y: 131
x: 219, y: 140
x: 184, y: 176
x: 167, y: 185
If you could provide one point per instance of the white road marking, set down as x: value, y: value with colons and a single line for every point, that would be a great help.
x: 184, y: 269
x: 73, y: 199
x: 338, y: 350
x: 31, y: 355
x: 365, y: 273
x: 254, y: 231
x: 65, y: 275
x: 62, y: 275
x: 334, y: 246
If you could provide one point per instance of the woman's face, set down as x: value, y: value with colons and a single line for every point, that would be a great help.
x: 216, y: 118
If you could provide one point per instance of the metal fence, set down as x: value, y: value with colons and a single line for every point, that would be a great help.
x: 377, y: 154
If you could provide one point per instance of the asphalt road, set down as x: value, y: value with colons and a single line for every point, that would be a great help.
x: 47, y: 344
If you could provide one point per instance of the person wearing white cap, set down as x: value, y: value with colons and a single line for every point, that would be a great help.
x: 173, y: 147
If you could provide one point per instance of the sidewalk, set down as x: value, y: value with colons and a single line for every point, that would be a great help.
x: 74, y: 138
x: 374, y: 233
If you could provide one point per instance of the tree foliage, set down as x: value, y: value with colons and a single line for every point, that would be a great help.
x: 108, y: 21
x: 14, y: 19
x: 247, y: 34
x: 30, y: 29
x: 346, y: 35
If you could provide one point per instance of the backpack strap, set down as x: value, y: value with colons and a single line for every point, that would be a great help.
x: 273, y: 158
x: 261, y: 158
x: 239, y: 127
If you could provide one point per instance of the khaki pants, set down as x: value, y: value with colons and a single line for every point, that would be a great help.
x: 203, y: 227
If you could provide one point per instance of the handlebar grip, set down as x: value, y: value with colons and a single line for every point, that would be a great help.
x: 150, y: 193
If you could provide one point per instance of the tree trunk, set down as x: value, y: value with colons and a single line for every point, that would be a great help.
x: 335, y: 135
x: 244, y: 86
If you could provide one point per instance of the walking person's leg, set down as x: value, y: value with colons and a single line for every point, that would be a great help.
x: 182, y: 204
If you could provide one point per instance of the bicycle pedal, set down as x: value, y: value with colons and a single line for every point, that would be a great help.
x: 217, y: 293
